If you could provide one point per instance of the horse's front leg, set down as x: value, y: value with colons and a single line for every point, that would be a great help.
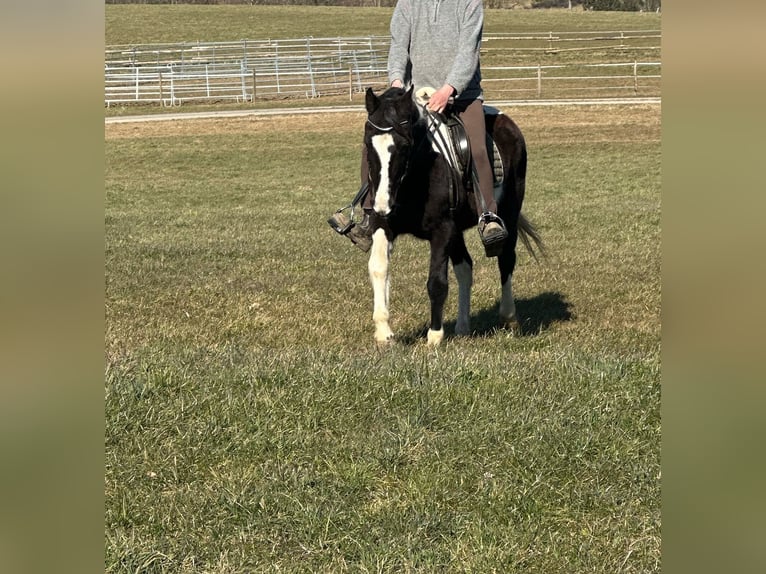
x: 437, y: 290
x: 380, y: 255
x: 463, y: 267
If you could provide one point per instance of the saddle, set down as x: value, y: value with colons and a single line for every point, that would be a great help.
x: 449, y: 136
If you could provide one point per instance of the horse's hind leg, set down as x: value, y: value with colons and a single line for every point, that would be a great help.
x: 506, y: 262
x: 512, y: 147
x: 463, y: 267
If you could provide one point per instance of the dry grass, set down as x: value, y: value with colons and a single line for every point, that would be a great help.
x: 547, y: 124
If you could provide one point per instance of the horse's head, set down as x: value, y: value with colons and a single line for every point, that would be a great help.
x: 388, y: 136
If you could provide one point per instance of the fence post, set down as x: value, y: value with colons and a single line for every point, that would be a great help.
x: 162, y: 99
x: 635, y: 77
x: 350, y: 84
x: 276, y: 67
x: 539, y: 81
x: 254, y: 84
x: 310, y: 68
x: 242, y: 72
x: 358, y: 73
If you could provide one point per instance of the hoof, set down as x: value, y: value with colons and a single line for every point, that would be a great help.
x: 385, y: 338
x: 434, y: 337
x: 511, y: 324
x: 462, y: 329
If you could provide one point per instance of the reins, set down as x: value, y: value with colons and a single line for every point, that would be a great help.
x: 435, y: 122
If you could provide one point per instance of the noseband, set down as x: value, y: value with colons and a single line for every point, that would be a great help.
x: 389, y: 128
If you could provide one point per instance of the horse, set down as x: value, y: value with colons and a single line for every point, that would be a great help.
x: 416, y: 192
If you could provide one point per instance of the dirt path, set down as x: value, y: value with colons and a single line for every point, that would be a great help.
x: 357, y: 108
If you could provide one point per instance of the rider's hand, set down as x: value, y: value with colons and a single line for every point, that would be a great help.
x: 440, y: 98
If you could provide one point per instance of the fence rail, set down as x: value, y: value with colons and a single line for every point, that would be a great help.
x: 171, y: 74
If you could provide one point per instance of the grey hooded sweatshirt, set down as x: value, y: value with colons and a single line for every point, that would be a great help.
x: 441, y: 40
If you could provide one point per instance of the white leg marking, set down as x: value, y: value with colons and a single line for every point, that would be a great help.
x: 507, y: 306
x: 382, y: 145
x: 435, y: 337
x: 378, y: 268
x: 464, y: 275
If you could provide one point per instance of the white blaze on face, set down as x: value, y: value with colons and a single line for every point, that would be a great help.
x: 383, y: 144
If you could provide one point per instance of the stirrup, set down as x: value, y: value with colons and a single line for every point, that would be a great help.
x: 493, y: 243
x: 357, y: 232
x: 340, y: 222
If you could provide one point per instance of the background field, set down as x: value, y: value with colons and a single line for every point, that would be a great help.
x: 146, y: 24
x: 579, y: 54
x: 252, y: 426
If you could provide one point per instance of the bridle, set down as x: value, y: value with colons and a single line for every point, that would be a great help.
x: 389, y: 128
x: 406, y: 163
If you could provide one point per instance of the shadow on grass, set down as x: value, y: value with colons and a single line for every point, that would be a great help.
x: 535, y: 314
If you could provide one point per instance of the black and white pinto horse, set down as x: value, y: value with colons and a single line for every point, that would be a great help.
x: 410, y: 183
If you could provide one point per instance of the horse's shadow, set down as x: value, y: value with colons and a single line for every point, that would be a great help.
x: 535, y: 314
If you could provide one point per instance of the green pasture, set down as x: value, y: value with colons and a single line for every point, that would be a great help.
x: 148, y: 24
x: 252, y: 425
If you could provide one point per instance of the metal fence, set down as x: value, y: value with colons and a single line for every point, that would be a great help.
x: 170, y: 74
x: 571, y: 80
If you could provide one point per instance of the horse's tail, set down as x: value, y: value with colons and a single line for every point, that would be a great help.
x: 528, y: 235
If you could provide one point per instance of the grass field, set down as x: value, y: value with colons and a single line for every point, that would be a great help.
x: 147, y: 24
x: 253, y: 427
x: 251, y: 424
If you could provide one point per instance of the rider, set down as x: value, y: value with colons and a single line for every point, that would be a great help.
x: 436, y: 43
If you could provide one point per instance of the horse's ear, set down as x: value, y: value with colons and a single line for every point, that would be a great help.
x: 371, y: 101
x: 405, y: 104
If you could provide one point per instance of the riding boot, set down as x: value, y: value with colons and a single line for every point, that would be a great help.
x: 359, y: 232
x: 493, y: 233
x: 492, y: 230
